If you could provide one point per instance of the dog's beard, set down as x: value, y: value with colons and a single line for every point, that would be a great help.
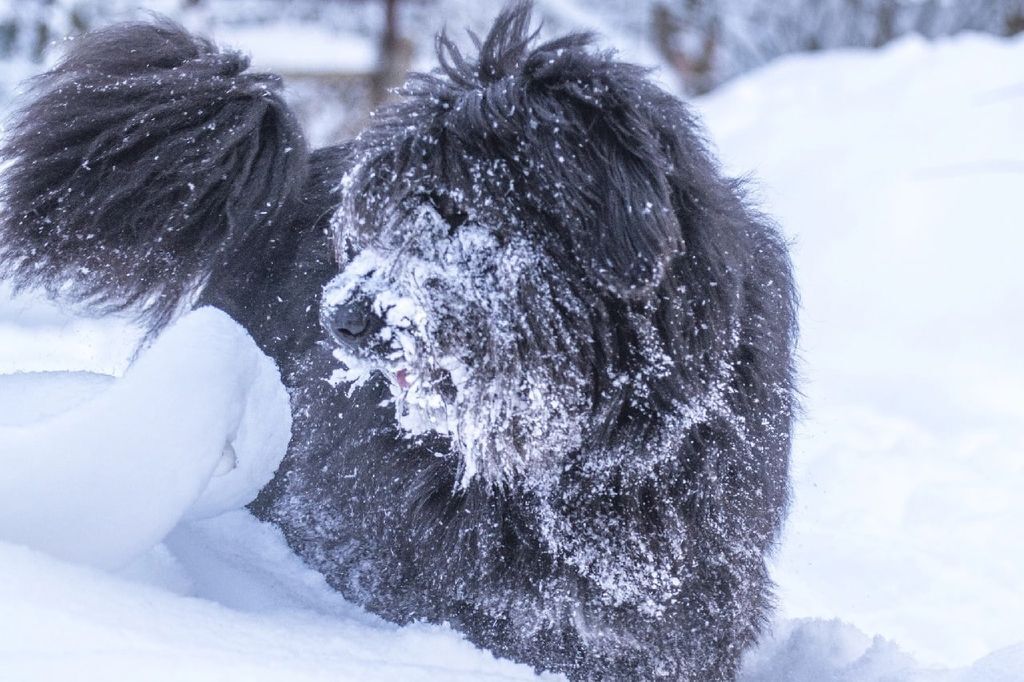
x: 424, y: 381
x: 425, y: 387
x: 455, y: 349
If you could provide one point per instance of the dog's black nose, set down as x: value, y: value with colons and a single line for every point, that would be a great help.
x: 351, y: 319
x: 353, y: 322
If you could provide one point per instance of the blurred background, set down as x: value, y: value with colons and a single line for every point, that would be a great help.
x: 341, y: 57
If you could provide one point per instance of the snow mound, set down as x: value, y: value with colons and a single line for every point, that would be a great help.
x: 38, y: 335
x: 898, y: 175
x: 28, y: 397
x: 98, y: 470
x: 255, y: 613
x: 817, y: 650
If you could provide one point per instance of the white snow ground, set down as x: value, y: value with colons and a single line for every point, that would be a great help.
x: 898, y: 175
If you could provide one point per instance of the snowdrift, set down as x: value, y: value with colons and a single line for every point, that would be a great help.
x: 98, y: 470
x: 898, y: 174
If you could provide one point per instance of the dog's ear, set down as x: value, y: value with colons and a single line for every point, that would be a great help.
x: 627, y: 153
x: 658, y: 184
x: 635, y: 230
x: 142, y: 162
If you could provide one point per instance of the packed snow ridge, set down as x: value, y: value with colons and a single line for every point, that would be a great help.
x: 98, y: 471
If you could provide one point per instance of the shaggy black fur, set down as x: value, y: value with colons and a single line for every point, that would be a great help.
x: 658, y: 313
x: 145, y: 160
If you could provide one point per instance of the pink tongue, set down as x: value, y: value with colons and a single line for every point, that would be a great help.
x: 403, y: 381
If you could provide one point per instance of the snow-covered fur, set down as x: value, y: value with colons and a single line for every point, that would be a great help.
x: 552, y: 402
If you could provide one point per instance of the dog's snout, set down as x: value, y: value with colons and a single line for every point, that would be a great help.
x: 352, y: 318
x: 353, y: 322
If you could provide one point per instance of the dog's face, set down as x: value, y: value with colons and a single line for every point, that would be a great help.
x: 502, y: 235
x: 452, y: 296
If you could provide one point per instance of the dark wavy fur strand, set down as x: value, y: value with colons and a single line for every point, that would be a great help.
x: 598, y: 327
x: 145, y: 160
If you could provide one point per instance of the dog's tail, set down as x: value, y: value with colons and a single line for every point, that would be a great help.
x: 141, y: 163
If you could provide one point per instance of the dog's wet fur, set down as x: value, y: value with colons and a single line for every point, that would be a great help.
x: 540, y: 349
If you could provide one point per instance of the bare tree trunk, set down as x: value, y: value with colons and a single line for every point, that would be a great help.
x: 694, y: 69
x: 886, y: 23
x: 394, y: 59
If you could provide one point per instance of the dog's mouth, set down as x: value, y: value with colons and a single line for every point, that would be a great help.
x: 497, y: 425
x: 424, y: 390
x: 443, y: 385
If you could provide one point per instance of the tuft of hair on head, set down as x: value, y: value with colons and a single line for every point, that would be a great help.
x: 624, y: 149
x: 499, y: 54
x: 143, y: 162
x: 509, y: 49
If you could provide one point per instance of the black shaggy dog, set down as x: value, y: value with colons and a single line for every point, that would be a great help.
x: 553, y: 401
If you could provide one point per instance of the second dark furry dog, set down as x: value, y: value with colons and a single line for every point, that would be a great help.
x: 561, y: 345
